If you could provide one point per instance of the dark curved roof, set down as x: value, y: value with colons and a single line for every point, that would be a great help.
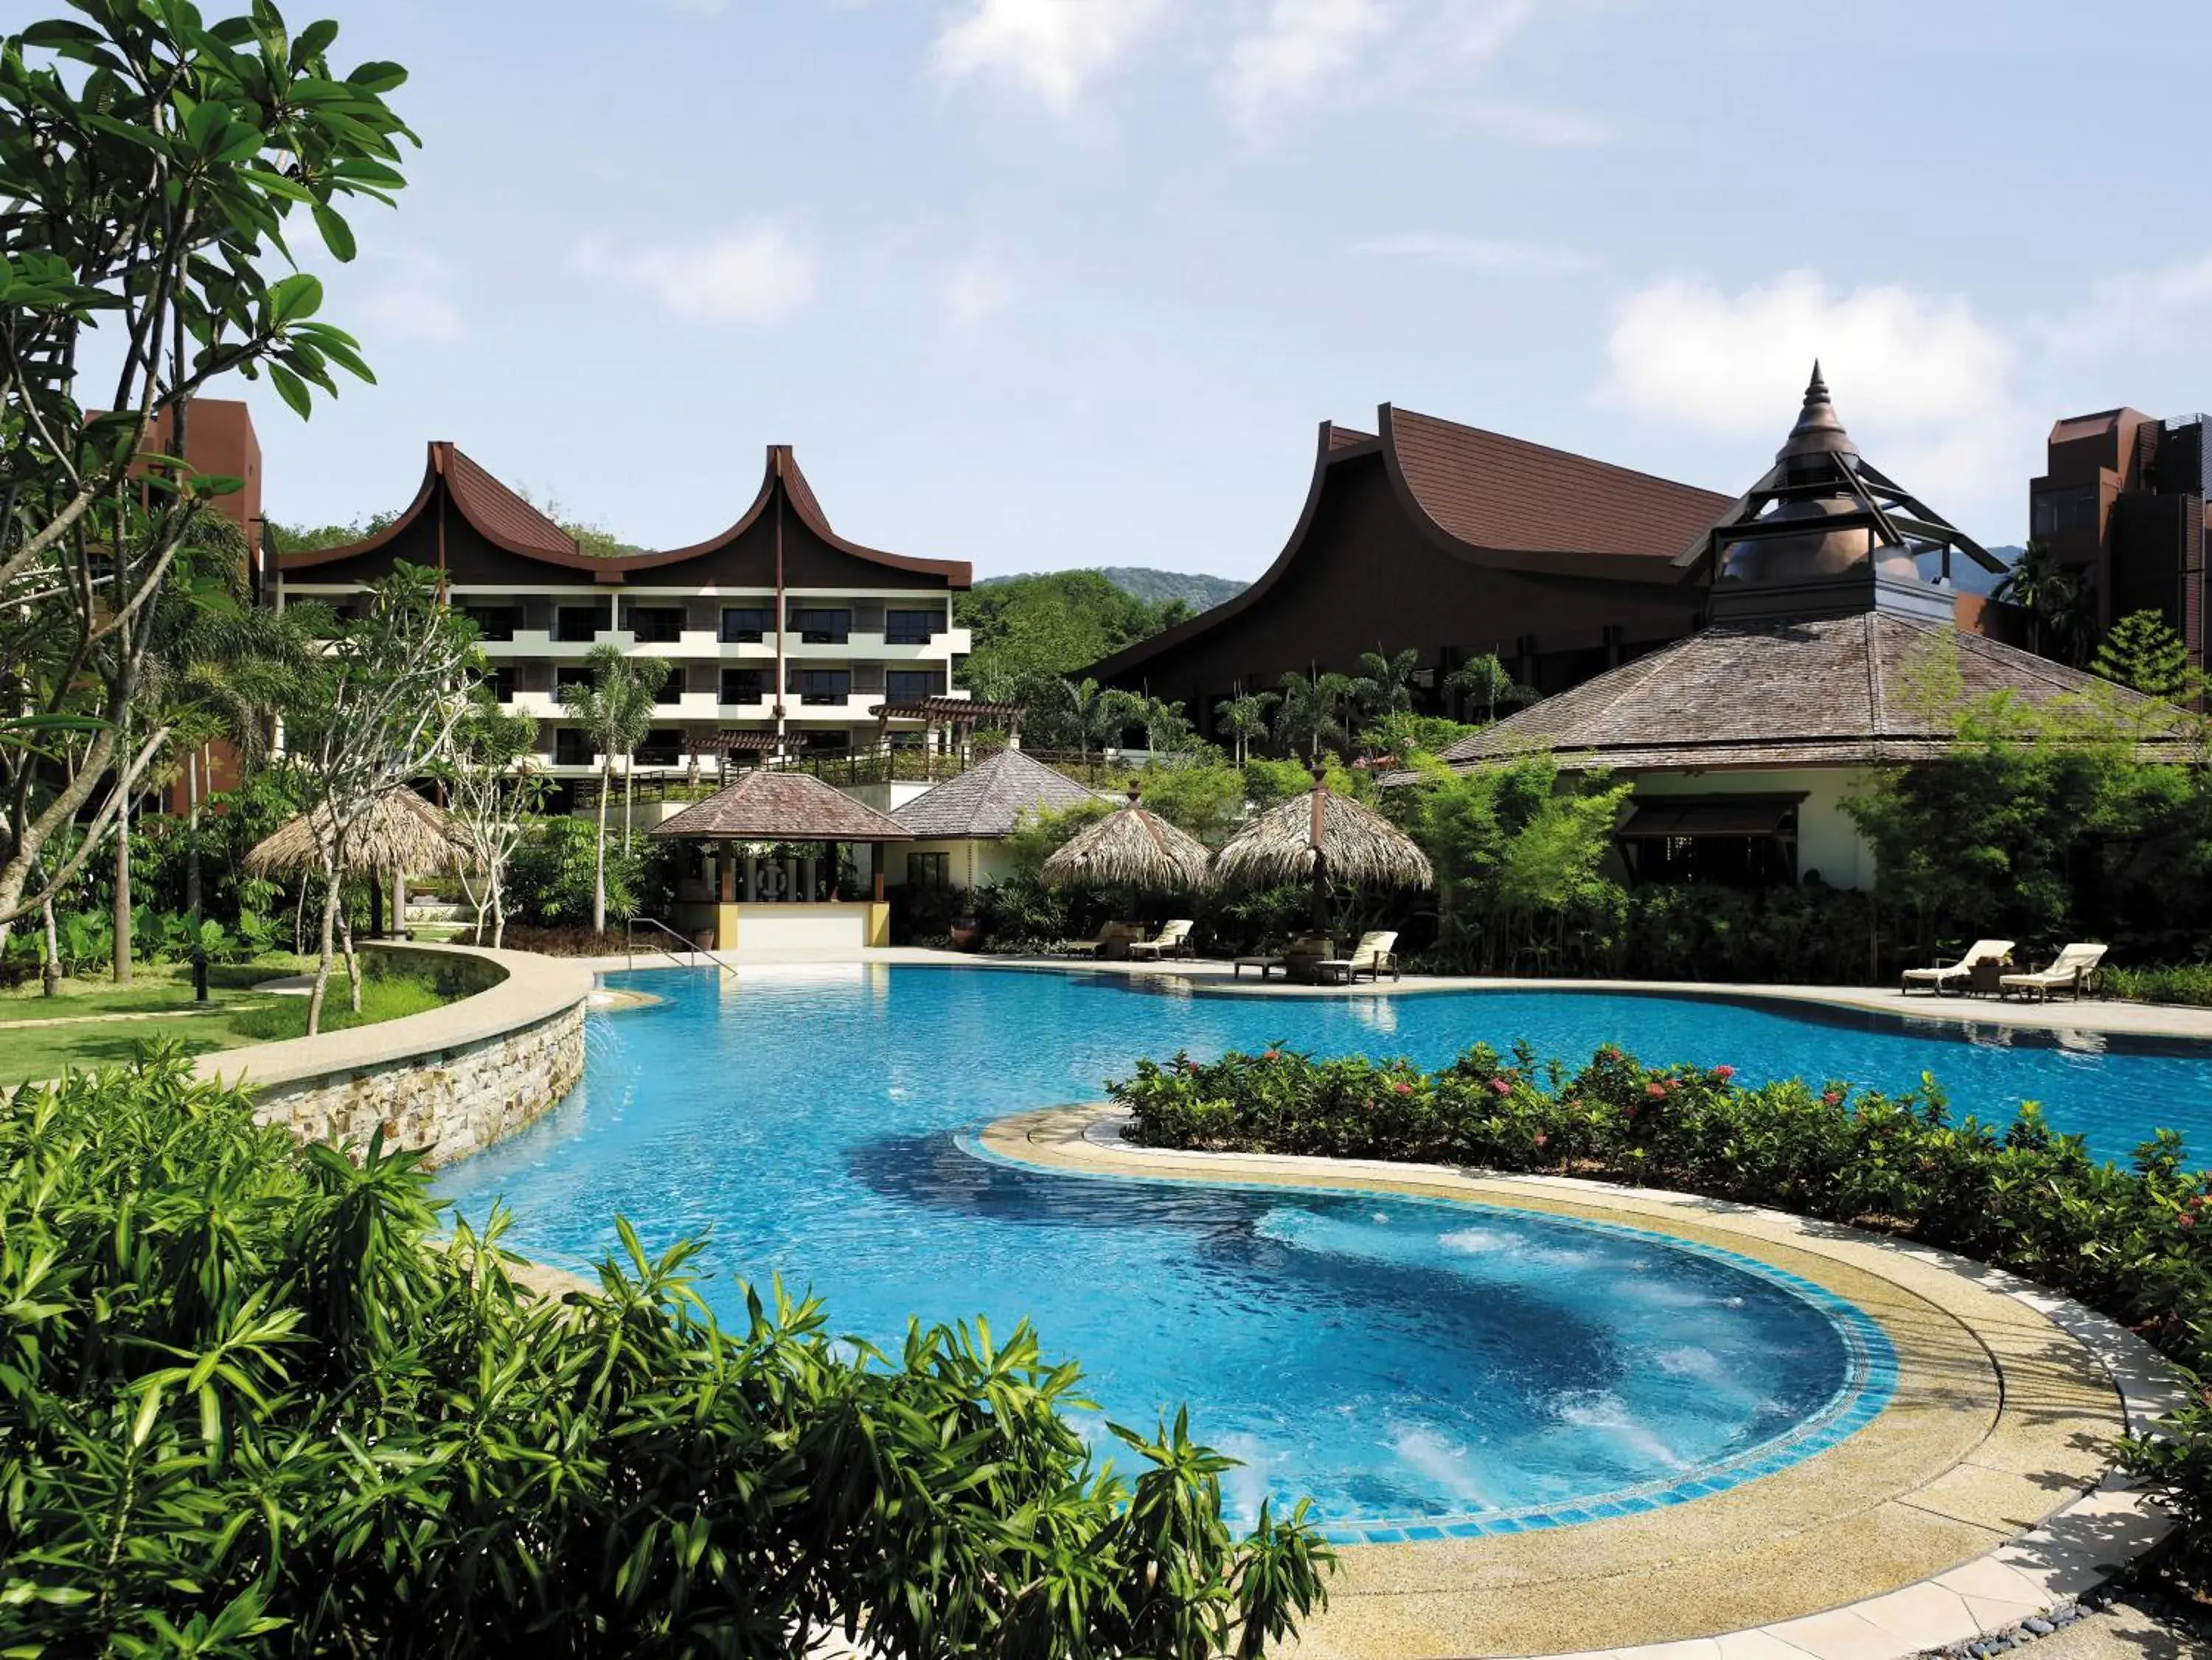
x: 1837, y: 691
x: 1490, y: 492
x: 507, y: 521
x: 1489, y: 499
x: 989, y: 798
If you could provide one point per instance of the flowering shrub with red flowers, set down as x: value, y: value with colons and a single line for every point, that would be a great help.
x: 2135, y: 1241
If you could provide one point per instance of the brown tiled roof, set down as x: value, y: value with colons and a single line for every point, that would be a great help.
x: 1491, y: 491
x: 1347, y: 438
x: 1842, y: 691
x: 989, y: 798
x: 782, y: 807
x: 499, y: 511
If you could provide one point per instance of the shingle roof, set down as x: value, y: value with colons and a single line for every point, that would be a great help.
x: 1841, y: 691
x: 1493, y: 491
x: 782, y: 807
x: 496, y: 508
x: 990, y: 797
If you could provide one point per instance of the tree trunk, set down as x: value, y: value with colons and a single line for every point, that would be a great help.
x: 50, y: 974
x: 630, y: 770
x: 329, y: 946
x: 498, y: 917
x: 352, y: 961
x: 123, y: 894
x: 599, y: 857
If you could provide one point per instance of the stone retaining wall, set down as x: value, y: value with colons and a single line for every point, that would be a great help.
x: 453, y: 1080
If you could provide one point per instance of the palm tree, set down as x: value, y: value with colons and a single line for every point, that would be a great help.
x: 1298, y: 715
x: 1336, y: 694
x: 1387, y: 687
x: 615, y: 706
x: 1486, y: 680
x: 2052, y: 595
x: 1098, y: 712
x: 1244, y: 717
x: 1167, y: 729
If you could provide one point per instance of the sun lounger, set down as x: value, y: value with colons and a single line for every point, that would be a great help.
x: 2069, y: 971
x: 1113, y: 941
x: 1975, y: 971
x: 1173, y: 940
x: 1266, y: 966
x: 1373, y: 955
x: 1297, y: 963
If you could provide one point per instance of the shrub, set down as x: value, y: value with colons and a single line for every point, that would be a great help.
x: 2135, y: 1243
x: 252, y: 1408
x: 2188, y: 983
x: 549, y: 876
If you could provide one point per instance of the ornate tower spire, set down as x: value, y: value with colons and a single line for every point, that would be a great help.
x: 1818, y: 431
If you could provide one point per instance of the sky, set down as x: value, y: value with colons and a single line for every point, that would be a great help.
x: 1043, y: 283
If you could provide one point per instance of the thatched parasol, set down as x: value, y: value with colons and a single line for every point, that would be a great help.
x: 401, y: 831
x: 1326, y: 838
x: 1130, y: 847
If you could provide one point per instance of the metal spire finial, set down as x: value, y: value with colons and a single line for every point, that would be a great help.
x: 1818, y: 432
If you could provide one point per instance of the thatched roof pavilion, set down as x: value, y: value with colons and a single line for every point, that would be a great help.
x: 1323, y: 838
x: 1131, y: 847
x: 768, y: 806
x: 1322, y: 833
x: 401, y: 831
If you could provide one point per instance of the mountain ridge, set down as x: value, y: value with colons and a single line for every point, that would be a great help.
x: 1153, y: 586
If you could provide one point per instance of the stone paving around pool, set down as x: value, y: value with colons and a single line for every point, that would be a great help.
x: 1980, y: 1496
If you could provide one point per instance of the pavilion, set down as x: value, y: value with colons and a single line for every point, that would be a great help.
x: 1826, y: 654
x: 960, y: 827
x: 767, y: 866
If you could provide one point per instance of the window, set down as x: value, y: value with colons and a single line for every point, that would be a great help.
x: 663, y: 747
x: 743, y: 686
x: 822, y: 627
x: 825, y: 685
x: 502, y: 684
x: 912, y: 628
x: 671, y: 690
x: 655, y: 625
x: 2053, y: 513
x: 494, y: 622
x: 912, y: 685
x: 570, y: 674
x: 745, y: 624
x: 580, y: 623
x: 929, y: 872
x: 572, y: 747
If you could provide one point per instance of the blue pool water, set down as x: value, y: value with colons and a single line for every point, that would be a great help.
x: 1414, y: 1365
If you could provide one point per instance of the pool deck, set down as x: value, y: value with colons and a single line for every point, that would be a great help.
x: 1981, y: 1495
x: 2087, y: 1017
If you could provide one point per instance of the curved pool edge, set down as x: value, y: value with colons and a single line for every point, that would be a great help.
x: 1982, y: 1494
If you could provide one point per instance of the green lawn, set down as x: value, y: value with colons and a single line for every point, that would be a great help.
x: 68, y: 1031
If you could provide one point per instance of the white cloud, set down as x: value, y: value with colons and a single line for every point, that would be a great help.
x: 2135, y: 312
x: 1475, y: 253
x: 409, y: 295
x: 1301, y: 46
x: 974, y: 287
x: 759, y: 273
x: 1929, y: 389
x: 1728, y: 363
x: 1050, y: 48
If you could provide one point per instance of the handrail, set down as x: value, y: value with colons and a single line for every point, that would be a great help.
x: 630, y: 945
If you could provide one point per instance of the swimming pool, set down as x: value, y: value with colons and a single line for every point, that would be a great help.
x: 1418, y: 1367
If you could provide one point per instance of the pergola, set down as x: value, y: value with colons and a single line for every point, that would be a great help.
x: 957, y: 718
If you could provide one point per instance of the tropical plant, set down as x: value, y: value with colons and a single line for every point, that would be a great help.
x: 1485, y: 681
x: 1299, y: 716
x: 1244, y: 717
x: 2143, y: 653
x: 1384, y: 685
x: 1167, y: 729
x: 375, y: 712
x: 258, y: 1402
x: 2057, y: 598
x: 150, y: 159
x: 615, y: 706
x: 491, y: 792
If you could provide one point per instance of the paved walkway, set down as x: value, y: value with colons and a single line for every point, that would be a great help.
x: 2093, y: 1016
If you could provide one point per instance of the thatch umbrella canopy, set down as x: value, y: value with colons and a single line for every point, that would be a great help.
x: 1325, y: 837
x: 401, y: 831
x: 1130, y: 847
